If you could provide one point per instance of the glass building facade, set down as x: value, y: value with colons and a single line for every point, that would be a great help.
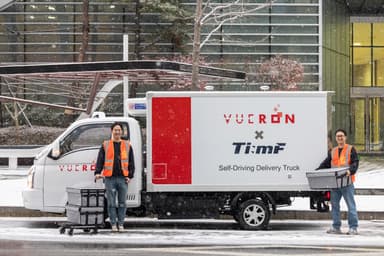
x: 51, y: 31
x: 339, y: 50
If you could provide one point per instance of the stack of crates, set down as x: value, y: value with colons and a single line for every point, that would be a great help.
x: 85, y: 206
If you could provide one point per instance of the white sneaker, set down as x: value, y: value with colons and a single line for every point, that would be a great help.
x: 352, y: 231
x: 121, y: 228
x: 333, y: 230
x: 114, y: 228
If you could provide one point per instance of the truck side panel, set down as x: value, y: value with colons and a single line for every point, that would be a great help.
x: 255, y: 141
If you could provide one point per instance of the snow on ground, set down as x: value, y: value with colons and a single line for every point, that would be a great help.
x: 288, y: 233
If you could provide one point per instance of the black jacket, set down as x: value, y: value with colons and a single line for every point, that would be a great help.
x: 116, y: 161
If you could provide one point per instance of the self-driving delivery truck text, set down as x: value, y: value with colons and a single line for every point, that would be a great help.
x: 207, y: 154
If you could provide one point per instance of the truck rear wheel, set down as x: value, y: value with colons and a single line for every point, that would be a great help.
x: 253, y: 214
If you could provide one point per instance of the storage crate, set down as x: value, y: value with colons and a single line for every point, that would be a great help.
x: 86, y: 197
x: 85, y: 215
x: 329, y: 178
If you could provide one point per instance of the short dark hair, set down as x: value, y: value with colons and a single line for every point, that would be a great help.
x: 341, y: 130
x: 115, y: 124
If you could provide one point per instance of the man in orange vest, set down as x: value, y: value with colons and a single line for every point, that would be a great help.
x: 343, y: 155
x: 115, y: 163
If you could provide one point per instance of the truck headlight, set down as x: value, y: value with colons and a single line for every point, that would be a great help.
x: 31, y: 175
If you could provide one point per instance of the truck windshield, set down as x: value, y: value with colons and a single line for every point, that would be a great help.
x: 86, y: 136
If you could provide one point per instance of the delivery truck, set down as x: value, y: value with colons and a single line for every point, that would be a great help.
x: 205, y: 154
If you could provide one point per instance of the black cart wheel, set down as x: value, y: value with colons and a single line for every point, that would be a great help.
x: 253, y: 214
x: 86, y: 230
x: 70, y: 231
x: 94, y: 231
x: 62, y: 230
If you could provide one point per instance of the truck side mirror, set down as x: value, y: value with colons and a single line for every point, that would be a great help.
x: 55, y: 152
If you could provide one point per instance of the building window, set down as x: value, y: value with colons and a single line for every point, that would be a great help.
x: 367, y: 54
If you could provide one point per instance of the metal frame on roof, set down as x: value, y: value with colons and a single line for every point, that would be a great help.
x: 136, y: 70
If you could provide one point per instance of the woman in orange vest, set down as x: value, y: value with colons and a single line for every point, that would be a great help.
x: 343, y: 155
x: 115, y: 162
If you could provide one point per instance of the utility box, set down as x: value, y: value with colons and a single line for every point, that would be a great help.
x: 331, y: 178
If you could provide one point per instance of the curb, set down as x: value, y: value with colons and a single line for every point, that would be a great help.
x: 9, y: 211
x: 313, y: 215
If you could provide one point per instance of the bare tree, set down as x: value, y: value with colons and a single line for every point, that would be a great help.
x: 170, y: 11
x: 85, y: 31
x: 15, y: 109
x: 80, y: 58
x: 218, y: 14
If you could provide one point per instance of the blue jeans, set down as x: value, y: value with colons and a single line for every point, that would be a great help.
x: 116, y: 186
x: 348, y: 194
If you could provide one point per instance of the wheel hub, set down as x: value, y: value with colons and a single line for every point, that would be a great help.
x: 254, y: 215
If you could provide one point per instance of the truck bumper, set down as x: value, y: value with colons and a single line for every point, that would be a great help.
x: 33, y: 199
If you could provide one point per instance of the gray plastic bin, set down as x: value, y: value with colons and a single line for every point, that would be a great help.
x: 87, y: 197
x: 85, y: 215
x: 329, y: 178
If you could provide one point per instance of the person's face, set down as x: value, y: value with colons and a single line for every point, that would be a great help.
x: 116, y: 132
x: 340, y: 138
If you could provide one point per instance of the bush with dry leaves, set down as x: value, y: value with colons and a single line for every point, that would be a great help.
x: 38, y: 135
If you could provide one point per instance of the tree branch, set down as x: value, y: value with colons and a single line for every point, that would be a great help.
x: 226, y: 17
x: 9, y: 112
x: 18, y: 105
x: 215, y: 9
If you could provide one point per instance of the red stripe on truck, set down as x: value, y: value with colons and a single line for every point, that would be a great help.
x: 171, y: 141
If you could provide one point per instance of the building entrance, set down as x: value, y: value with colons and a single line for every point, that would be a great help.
x: 367, y: 124
x: 367, y: 91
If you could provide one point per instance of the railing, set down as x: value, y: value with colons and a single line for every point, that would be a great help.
x: 17, y: 159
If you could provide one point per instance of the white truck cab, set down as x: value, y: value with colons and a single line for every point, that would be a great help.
x: 71, y: 160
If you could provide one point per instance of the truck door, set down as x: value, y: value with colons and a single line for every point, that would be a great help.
x: 76, y: 163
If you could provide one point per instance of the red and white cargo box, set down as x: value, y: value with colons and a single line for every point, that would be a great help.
x: 234, y: 141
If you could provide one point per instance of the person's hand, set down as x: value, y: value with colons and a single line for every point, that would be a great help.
x: 348, y: 173
x: 127, y: 180
x: 98, y: 176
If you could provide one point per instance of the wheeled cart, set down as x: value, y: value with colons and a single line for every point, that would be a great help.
x: 85, y: 210
x: 86, y: 228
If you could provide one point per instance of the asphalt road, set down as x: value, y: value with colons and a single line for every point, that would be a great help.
x: 40, y: 236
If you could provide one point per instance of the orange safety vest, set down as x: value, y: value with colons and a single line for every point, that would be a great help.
x: 125, y: 146
x: 342, y: 160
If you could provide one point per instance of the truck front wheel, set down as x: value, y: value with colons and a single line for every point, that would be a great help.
x: 253, y: 214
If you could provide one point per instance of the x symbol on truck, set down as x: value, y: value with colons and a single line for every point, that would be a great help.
x: 259, y: 135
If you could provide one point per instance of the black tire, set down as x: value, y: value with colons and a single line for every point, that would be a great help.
x: 253, y: 214
x: 70, y: 232
x: 86, y: 230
